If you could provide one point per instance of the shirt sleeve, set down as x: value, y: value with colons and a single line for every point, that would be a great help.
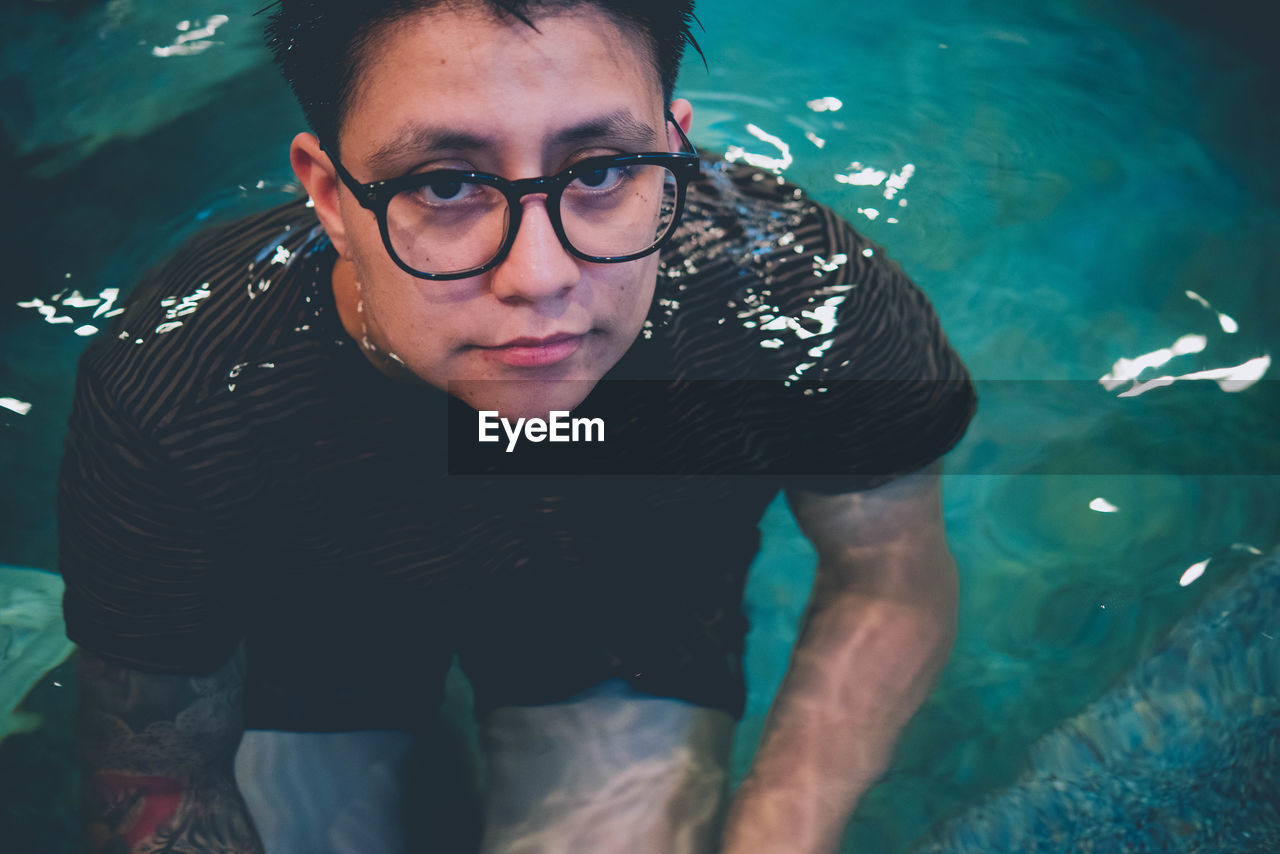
x: 143, y: 587
x: 872, y: 387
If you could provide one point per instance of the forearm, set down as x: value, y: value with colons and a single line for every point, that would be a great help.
x: 864, y: 663
x: 129, y: 813
x: 157, y: 757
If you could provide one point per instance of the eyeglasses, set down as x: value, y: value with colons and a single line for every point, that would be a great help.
x: 451, y: 224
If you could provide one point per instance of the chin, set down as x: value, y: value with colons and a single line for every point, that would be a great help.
x: 522, y: 398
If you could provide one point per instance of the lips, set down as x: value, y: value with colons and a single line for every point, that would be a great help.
x: 536, y: 352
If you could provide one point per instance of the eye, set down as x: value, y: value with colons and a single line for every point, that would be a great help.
x: 602, y: 179
x: 443, y: 188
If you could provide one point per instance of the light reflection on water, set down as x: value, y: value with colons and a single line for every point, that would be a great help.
x: 1053, y: 179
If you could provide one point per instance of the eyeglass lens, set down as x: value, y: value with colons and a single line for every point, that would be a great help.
x: 452, y: 225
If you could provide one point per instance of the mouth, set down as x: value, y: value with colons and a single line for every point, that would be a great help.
x: 535, y: 352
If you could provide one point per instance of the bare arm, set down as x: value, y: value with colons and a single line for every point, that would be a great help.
x: 157, y: 756
x: 877, y: 631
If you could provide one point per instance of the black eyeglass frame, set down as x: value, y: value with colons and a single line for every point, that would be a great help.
x: 376, y: 197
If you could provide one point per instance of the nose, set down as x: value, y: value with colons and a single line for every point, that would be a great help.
x: 538, y: 268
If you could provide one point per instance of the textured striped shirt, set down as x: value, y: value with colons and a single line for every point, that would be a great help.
x: 236, y: 470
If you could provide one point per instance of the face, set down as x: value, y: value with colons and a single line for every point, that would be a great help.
x: 456, y: 89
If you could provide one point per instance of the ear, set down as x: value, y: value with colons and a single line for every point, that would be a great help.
x: 317, y: 175
x: 682, y: 112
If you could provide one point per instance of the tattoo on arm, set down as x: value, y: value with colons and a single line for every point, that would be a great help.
x: 157, y: 753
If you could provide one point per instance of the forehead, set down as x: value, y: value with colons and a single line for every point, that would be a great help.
x: 464, y: 68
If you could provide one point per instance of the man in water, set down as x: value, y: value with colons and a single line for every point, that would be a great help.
x: 270, y: 566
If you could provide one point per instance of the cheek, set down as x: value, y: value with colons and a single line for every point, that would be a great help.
x: 388, y: 312
x: 636, y: 294
x: 392, y: 300
x: 404, y: 322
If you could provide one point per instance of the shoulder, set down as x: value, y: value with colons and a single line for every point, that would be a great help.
x: 228, y: 293
x: 775, y: 281
x: 759, y: 223
x: 844, y: 366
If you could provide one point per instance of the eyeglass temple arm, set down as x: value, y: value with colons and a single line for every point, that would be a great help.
x: 683, y: 137
x: 364, y: 194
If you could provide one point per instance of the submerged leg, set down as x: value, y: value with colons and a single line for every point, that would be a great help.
x: 610, y: 770
x: 324, y: 793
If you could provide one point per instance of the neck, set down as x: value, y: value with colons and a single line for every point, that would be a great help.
x: 349, y: 300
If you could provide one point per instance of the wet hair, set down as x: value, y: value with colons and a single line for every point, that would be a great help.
x: 320, y: 45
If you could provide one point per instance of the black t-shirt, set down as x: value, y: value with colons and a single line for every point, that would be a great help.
x: 236, y: 470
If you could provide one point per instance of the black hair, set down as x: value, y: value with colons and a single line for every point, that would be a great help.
x: 319, y: 45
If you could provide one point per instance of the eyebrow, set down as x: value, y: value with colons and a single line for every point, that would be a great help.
x: 620, y: 126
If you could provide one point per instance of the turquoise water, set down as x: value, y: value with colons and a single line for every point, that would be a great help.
x: 1083, y: 184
